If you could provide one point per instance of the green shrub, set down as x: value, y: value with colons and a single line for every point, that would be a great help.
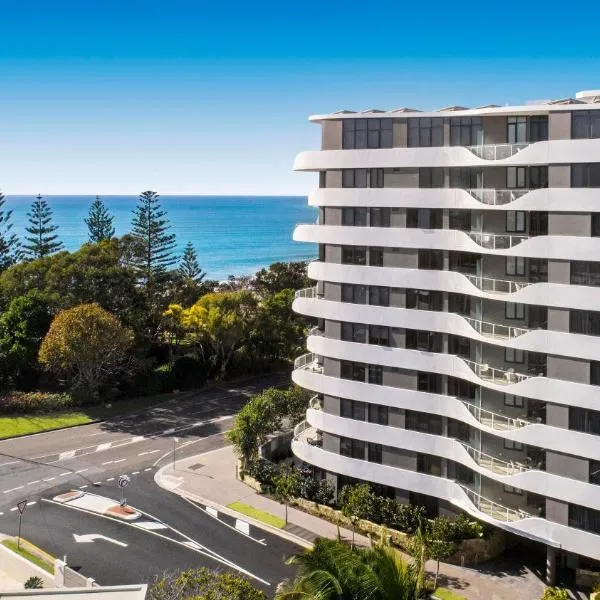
x: 554, y: 593
x: 464, y: 528
x: 35, y: 402
x: 34, y: 583
x: 189, y: 373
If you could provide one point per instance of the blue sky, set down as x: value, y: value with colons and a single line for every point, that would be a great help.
x: 197, y: 97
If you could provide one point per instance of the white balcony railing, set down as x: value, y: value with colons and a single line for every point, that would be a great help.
x: 308, y: 362
x: 497, y: 376
x: 496, y: 286
x: 496, y: 151
x: 310, y: 292
x: 494, y: 464
x: 495, y: 420
x: 493, y: 509
x: 304, y: 432
x: 315, y: 403
x: 492, y: 330
x: 496, y: 197
x: 496, y: 241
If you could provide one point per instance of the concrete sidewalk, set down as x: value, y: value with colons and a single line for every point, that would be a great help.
x: 210, y: 479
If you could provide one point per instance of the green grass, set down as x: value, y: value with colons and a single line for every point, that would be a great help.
x: 11, y: 426
x: 259, y: 515
x: 36, y: 560
x: 446, y: 594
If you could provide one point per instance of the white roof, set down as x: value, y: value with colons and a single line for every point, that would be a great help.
x: 118, y: 592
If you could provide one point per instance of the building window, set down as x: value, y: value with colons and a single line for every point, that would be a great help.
x: 425, y: 132
x: 378, y: 414
x: 463, y: 262
x: 423, y: 422
x: 538, y: 223
x: 515, y: 265
x: 594, y: 372
x: 585, y: 420
x: 459, y: 430
x: 585, y: 273
x: 322, y: 179
x: 512, y: 445
x: 461, y: 388
x: 424, y: 300
x: 422, y: 340
x: 352, y: 448
x: 594, y: 476
x: 584, y: 518
x: 585, y: 175
x: 354, y: 294
x: 516, y: 178
x: 376, y: 374
x: 354, y: 217
x: 431, y: 177
x: 516, y: 130
x: 516, y: 401
x: 515, y: 221
x: 353, y: 371
x: 465, y: 178
x: 367, y: 133
x: 509, y: 489
x: 586, y: 322
x: 538, y: 177
x: 459, y: 219
x: 538, y: 270
x: 354, y: 332
x: 354, y: 255
x: 432, y: 465
x: 379, y: 335
x: 376, y: 257
x: 376, y: 178
x: 595, y: 224
x: 362, y: 178
x: 429, y: 382
x: 352, y: 409
x: 513, y: 356
x: 514, y: 310
x: 459, y: 304
x: 431, y: 259
x: 375, y: 453
x: 585, y: 124
x: 424, y: 218
x: 460, y: 346
x: 379, y: 296
x: 538, y: 128
x: 379, y: 217
x: 466, y: 131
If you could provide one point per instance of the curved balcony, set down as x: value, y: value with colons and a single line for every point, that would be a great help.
x: 495, y: 420
x: 496, y: 151
x: 305, y: 432
x: 315, y: 403
x: 496, y: 286
x: 494, y: 241
x: 494, y: 464
x: 493, y: 509
x: 492, y: 330
x: 493, y: 375
x: 496, y: 197
x: 309, y: 362
x: 309, y: 292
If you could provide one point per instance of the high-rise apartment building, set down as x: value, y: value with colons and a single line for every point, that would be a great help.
x: 457, y: 359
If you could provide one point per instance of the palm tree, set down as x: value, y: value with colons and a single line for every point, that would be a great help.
x: 333, y: 571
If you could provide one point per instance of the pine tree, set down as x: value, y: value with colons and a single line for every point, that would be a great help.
x: 189, y: 269
x: 99, y: 222
x: 10, y: 251
x: 154, y: 254
x: 43, y: 241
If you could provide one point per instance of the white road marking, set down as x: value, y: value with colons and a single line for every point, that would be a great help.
x: 110, y: 479
x: 82, y: 487
x: 13, y: 462
x: 102, y: 447
x: 213, y: 512
x: 151, y: 525
x: 66, y: 455
x: 242, y: 526
x: 97, y: 483
x: 90, y: 537
x: 135, y: 472
x: 31, y: 503
x: 148, y: 469
x: 34, y: 481
x: 65, y: 474
x: 114, y: 462
x: 14, y: 489
x: 82, y: 471
x: 193, y: 545
x: 148, y: 452
x: 13, y: 509
x: 49, y: 479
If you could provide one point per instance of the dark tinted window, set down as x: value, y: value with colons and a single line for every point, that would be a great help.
x: 538, y: 128
x: 585, y: 124
x: 585, y: 175
x: 366, y: 133
x: 354, y: 255
x: 425, y: 131
x: 585, y: 273
x: 466, y: 131
x: 582, y: 419
x: 584, y: 321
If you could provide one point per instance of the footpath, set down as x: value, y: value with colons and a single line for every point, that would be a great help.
x: 210, y: 480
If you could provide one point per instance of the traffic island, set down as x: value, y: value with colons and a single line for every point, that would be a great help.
x: 98, y: 504
x: 123, y: 512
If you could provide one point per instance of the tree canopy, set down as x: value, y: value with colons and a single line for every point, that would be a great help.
x: 99, y: 222
x: 10, y: 247
x: 42, y: 239
x: 281, y: 276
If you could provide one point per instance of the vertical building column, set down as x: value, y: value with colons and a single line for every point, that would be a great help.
x: 550, y: 565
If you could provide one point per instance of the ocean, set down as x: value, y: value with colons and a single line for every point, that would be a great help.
x: 233, y: 235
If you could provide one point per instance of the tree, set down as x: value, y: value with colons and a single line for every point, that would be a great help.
x: 203, y: 583
x: 87, y: 344
x: 22, y: 327
x: 356, y: 502
x: 99, y: 222
x: 189, y: 269
x: 287, y: 487
x: 188, y: 281
x: 332, y: 571
x: 154, y: 254
x: 42, y: 239
x: 9, y: 243
x: 218, y: 325
x: 440, y: 541
x: 281, y: 276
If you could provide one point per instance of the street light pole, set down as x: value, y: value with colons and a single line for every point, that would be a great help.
x: 175, y: 441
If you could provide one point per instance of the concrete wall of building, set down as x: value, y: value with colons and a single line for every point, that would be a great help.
x: 557, y: 511
x: 559, y: 176
x: 333, y: 254
x: 331, y: 405
x: 558, y: 319
x: 559, y: 126
x: 567, y: 466
x: 333, y: 179
x: 559, y: 271
x: 398, y: 217
x: 569, y: 224
x: 331, y: 367
x: 400, y: 257
x: 398, y: 297
x: 396, y: 457
x: 400, y: 133
x: 557, y: 415
x: 333, y: 215
x: 396, y: 417
x: 568, y: 369
x: 333, y: 329
x: 404, y: 178
x: 494, y: 177
x: 399, y: 378
x: 494, y: 130
x: 331, y: 135
x: 331, y: 442
x: 398, y: 337
x: 332, y: 291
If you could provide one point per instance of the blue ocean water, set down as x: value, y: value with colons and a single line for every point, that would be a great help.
x: 233, y: 235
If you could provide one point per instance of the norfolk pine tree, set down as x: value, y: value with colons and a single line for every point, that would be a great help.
x: 42, y: 239
x: 99, y: 222
x: 189, y: 270
x: 9, y: 243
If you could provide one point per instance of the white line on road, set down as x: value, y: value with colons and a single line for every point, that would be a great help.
x: 82, y: 471
x: 148, y: 469
x: 49, y: 479
x: 65, y: 474
x: 34, y: 481
x: 135, y: 472
x: 82, y: 487
x: 148, y: 452
x: 66, y: 455
x: 1, y: 513
x: 31, y: 503
x: 102, y: 447
x: 110, y: 479
x: 13, y: 509
x: 97, y: 483
x: 14, y: 489
x: 114, y: 462
x: 12, y: 462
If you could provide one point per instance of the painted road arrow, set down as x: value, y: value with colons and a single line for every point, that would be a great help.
x: 90, y: 537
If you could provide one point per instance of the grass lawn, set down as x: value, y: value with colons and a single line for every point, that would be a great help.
x: 446, y: 594
x: 12, y: 545
x: 26, y: 424
x: 259, y: 515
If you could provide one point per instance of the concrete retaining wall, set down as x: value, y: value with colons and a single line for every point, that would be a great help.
x: 21, y: 569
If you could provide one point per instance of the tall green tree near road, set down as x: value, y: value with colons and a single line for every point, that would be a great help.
x: 281, y: 276
x: 9, y: 243
x: 189, y: 268
x: 99, y: 222
x: 150, y: 227
x: 356, y: 502
x: 42, y: 239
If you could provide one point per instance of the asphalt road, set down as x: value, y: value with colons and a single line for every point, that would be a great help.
x: 91, y: 457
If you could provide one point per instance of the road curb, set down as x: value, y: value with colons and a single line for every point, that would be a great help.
x: 290, y: 537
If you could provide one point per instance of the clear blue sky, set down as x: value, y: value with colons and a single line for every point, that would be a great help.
x: 197, y: 97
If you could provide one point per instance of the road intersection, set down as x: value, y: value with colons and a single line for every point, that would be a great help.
x: 174, y: 533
